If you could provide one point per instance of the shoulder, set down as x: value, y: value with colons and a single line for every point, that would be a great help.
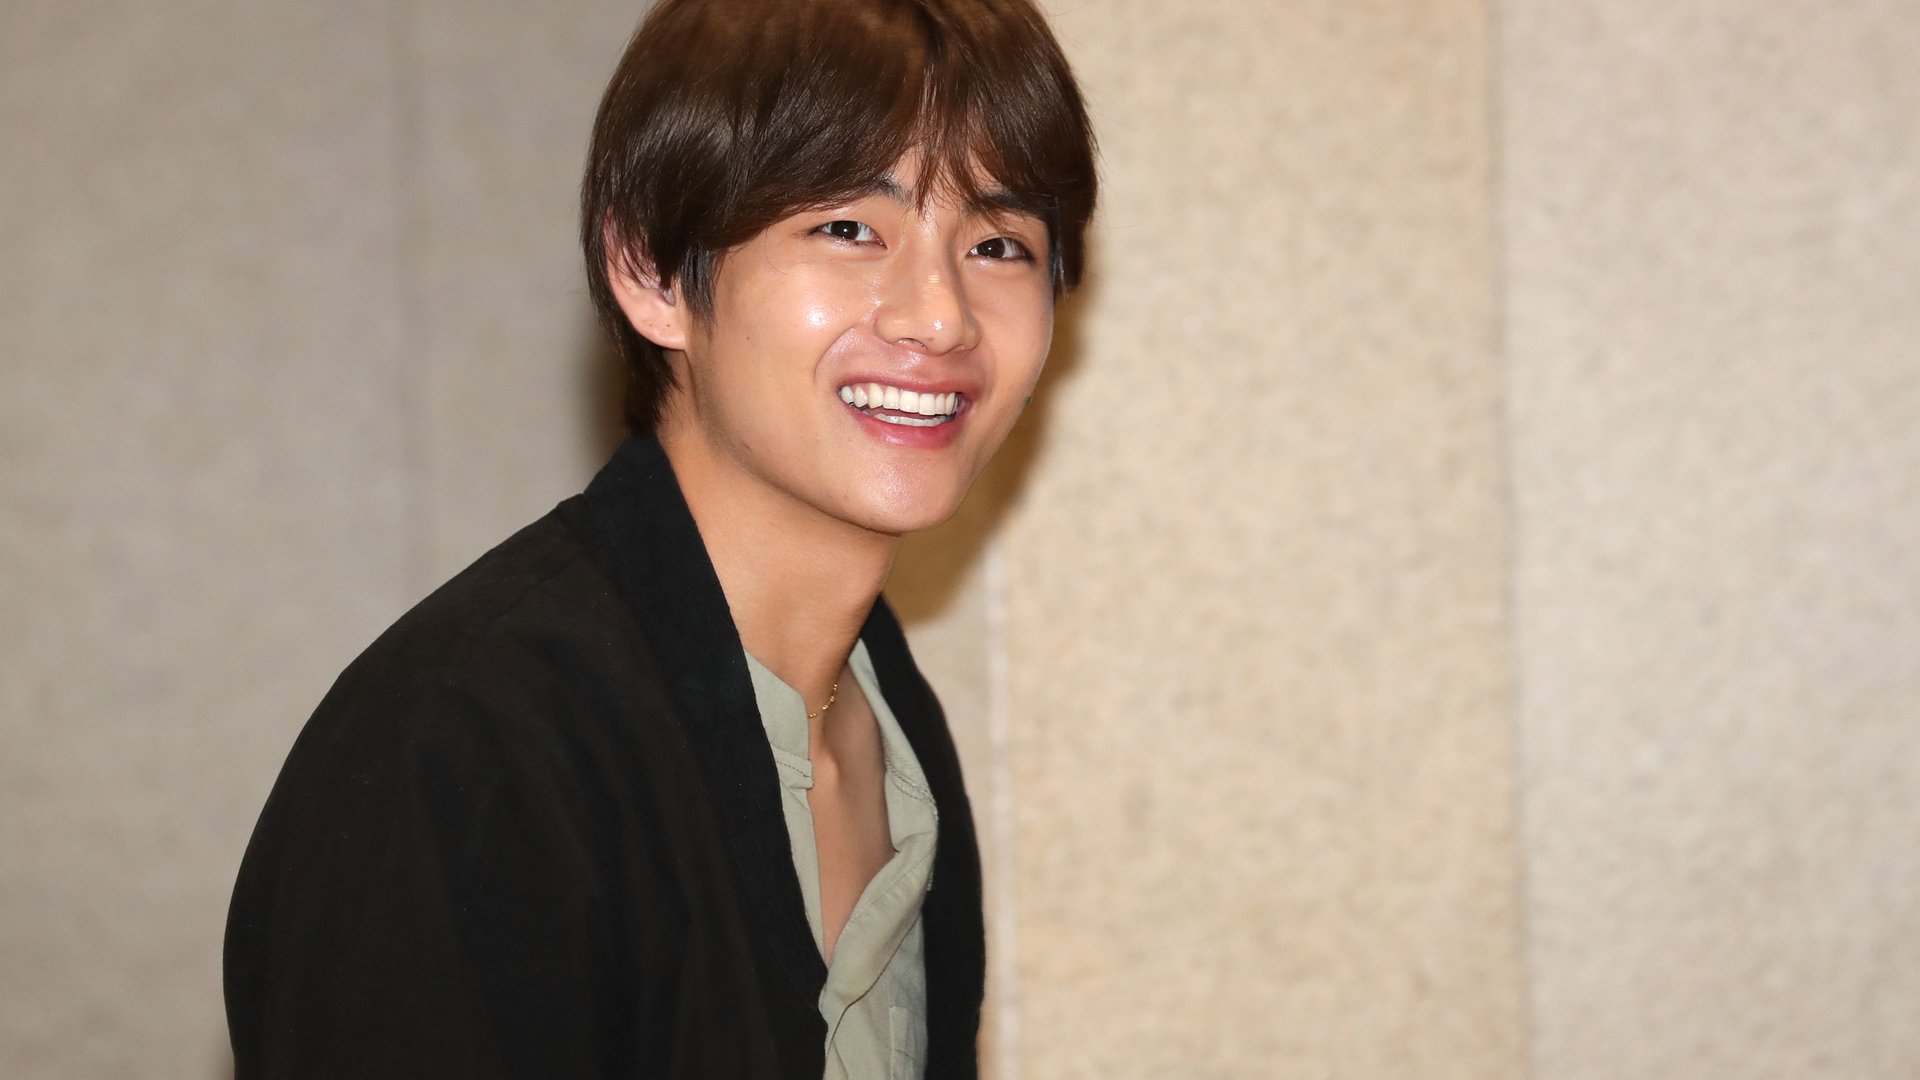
x: 527, y: 660
x: 538, y: 585
x: 515, y: 711
x: 457, y: 833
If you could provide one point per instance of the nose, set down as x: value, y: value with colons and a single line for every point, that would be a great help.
x: 923, y: 304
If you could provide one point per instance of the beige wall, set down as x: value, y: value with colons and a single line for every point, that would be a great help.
x: 1239, y: 636
x: 1713, y: 260
x: 1244, y: 756
x: 1255, y: 636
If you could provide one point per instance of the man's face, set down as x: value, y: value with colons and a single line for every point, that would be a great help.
x: 866, y: 360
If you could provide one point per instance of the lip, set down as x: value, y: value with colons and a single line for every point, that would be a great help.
x: 901, y: 435
x: 966, y: 389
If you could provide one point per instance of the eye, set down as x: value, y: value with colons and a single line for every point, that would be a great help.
x: 1001, y: 248
x: 853, y: 232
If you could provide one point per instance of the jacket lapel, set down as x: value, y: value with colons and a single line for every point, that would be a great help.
x: 952, y: 921
x: 652, y: 548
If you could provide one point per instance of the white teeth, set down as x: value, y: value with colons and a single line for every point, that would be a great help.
x: 908, y: 421
x: 878, y: 396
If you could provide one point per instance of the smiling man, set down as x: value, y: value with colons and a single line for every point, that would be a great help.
x: 654, y: 788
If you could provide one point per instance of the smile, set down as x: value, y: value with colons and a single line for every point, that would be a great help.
x: 892, y: 405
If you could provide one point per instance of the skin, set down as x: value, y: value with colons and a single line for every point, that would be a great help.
x: 941, y: 293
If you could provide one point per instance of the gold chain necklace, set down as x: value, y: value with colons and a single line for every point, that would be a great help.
x: 832, y: 696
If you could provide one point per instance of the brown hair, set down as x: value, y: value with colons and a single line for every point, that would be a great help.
x: 725, y: 116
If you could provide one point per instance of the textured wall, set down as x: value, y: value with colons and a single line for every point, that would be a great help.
x: 200, y: 509
x: 292, y: 327
x: 1255, y: 629
x: 1713, y: 222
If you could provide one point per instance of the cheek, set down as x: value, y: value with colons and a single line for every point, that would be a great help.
x: 815, y: 307
x: 1024, y: 325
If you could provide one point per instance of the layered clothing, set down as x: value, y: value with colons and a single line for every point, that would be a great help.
x: 535, y: 830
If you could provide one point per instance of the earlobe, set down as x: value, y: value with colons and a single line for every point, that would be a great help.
x: 653, y: 309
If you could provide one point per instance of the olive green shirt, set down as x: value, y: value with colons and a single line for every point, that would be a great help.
x: 875, y: 998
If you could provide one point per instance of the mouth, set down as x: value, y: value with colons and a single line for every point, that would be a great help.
x: 901, y: 407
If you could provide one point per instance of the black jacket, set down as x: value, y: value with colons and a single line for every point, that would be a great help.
x: 535, y: 831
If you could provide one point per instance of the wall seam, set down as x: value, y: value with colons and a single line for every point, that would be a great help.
x: 1006, y: 920
x: 1499, y: 267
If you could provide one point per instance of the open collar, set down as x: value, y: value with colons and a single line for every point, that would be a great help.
x: 646, y: 539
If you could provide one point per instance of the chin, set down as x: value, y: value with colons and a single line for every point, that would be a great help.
x: 901, y: 501
x: 898, y: 520
x: 904, y: 514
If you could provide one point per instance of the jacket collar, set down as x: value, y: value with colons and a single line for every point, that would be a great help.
x: 651, y: 547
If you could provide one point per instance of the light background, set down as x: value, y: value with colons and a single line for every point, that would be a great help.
x: 1453, y: 612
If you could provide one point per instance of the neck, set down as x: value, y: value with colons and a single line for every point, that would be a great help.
x: 799, y: 582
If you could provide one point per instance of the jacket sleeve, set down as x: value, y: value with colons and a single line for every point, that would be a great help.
x: 425, y: 896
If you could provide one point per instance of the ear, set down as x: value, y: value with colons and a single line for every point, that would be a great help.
x: 657, y: 311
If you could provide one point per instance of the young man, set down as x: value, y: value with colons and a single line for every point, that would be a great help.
x: 654, y: 788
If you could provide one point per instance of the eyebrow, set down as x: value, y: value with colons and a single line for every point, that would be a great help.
x: 888, y: 187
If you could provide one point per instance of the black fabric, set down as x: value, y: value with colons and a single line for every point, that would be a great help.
x: 534, y: 831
